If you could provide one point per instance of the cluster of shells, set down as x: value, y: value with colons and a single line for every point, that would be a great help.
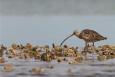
x: 69, y: 54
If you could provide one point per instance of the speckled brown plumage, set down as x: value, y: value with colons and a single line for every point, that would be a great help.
x: 91, y: 36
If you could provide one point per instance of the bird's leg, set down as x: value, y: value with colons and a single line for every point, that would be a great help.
x: 93, y: 43
x: 86, y: 46
x: 93, y: 47
x: 86, y: 49
x: 93, y: 51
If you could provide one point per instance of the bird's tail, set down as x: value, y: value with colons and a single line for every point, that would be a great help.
x: 105, y: 38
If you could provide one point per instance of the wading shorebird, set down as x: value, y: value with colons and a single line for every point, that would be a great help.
x: 89, y: 36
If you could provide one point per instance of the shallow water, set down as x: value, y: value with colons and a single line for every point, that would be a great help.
x: 88, y: 69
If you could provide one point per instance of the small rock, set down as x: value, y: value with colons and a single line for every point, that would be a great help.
x: 72, y: 62
x: 79, y: 59
x: 2, y: 60
x: 46, y: 57
x: 64, y: 59
x: 50, y: 66
x: 11, y: 56
x: 102, y: 58
x: 59, y: 59
x: 8, y: 67
x: 38, y: 70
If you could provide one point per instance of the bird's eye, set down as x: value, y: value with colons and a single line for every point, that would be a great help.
x: 74, y: 33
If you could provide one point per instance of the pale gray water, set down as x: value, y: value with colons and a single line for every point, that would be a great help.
x: 91, y: 69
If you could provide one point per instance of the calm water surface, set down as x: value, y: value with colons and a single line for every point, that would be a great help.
x: 89, y: 69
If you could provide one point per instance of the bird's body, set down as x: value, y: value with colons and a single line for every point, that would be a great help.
x: 88, y: 36
x: 91, y: 36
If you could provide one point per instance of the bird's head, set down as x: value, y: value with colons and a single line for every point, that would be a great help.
x: 76, y: 33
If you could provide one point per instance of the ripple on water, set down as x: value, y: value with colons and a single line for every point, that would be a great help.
x: 102, y: 65
x: 102, y: 75
x: 32, y: 75
x: 111, y: 71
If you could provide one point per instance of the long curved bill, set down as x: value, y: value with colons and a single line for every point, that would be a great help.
x: 66, y: 39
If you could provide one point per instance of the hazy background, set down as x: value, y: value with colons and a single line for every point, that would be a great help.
x: 48, y: 21
x: 57, y: 7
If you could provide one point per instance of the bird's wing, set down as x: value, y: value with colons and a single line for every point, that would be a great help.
x: 86, y: 36
x: 91, y: 35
